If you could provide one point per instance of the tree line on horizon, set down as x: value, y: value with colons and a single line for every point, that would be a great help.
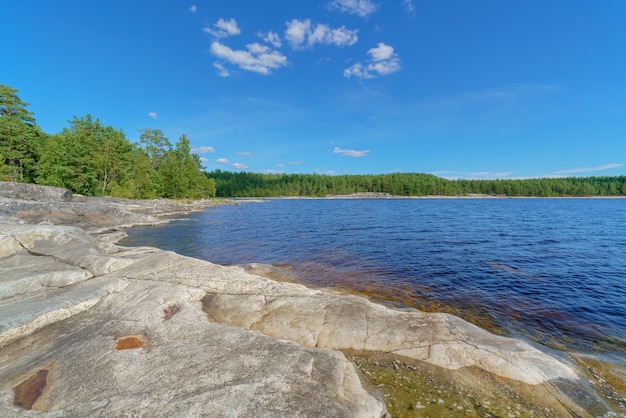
x: 245, y: 184
x: 94, y: 159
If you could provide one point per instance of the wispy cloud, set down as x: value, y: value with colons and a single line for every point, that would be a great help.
x: 271, y: 38
x: 272, y: 171
x: 383, y: 61
x: 153, y: 115
x: 586, y: 169
x: 409, y: 6
x: 223, y: 28
x: 221, y: 70
x: 351, y: 152
x: 202, y: 150
x: 239, y: 166
x: 244, y: 153
x: 361, y: 8
x: 295, y: 162
x: 324, y: 171
x: 257, y: 58
x: 473, y: 175
x: 508, y: 92
x: 222, y: 161
x: 301, y: 34
x: 193, y: 8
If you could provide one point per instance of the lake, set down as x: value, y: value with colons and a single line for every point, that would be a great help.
x: 550, y: 271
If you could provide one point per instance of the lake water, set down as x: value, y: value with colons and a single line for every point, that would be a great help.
x: 551, y: 271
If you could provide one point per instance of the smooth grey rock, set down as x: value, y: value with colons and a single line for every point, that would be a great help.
x: 24, y: 273
x: 188, y: 365
x: 34, y: 192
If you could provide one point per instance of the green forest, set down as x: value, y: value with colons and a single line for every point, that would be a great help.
x: 231, y: 184
x: 94, y: 159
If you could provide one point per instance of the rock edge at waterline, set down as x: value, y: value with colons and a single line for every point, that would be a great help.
x: 89, y: 328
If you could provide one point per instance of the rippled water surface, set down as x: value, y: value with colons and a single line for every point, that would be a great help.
x: 548, y: 270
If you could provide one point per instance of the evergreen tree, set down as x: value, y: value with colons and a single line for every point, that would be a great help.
x: 86, y: 158
x: 20, y: 138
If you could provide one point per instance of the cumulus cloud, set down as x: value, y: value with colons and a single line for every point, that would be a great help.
x: 222, y: 161
x: 301, y: 34
x: 153, y: 115
x: 239, y: 166
x: 204, y: 160
x: 257, y: 58
x: 409, y: 6
x: 244, y: 153
x: 382, y: 61
x: 361, y: 8
x: 203, y: 150
x: 193, y: 8
x: 223, y: 28
x: 271, y: 38
x: 351, y: 152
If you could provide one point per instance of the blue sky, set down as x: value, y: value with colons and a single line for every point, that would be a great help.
x: 460, y: 89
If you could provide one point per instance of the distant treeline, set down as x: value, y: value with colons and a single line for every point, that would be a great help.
x: 242, y: 184
x: 94, y: 159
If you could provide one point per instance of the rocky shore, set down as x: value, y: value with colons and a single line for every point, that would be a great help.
x: 91, y: 328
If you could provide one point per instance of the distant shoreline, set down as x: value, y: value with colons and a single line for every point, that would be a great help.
x: 385, y: 196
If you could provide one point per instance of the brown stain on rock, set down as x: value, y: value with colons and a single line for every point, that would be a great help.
x: 129, y: 342
x: 170, y: 311
x: 27, y: 392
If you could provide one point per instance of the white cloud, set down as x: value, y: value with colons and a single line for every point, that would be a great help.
x: 239, y: 166
x: 203, y: 150
x: 258, y: 58
x: 279, y: 165
x: 587, y: 169
x: 324, y: 171
x: 361, y: 8
x: 381, y: 53
x: 153, y: 115
x: 193, y: 8
x: 244, y: 153
x: 221, y: 70
x: 204, y: 160
x: 272, y: 171
x: 409, y: 6
x: 383, y: 61
x: 271, y: 38
x: 301, y: 34
x: 295, y: 162
x: 222, y: 161
x: 223, y: 28
x: 351, y: 152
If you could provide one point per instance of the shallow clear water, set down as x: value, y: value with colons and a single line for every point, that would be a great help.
x: 549, y: 270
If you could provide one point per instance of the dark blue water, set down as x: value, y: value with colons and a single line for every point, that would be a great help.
x: 549, y: 270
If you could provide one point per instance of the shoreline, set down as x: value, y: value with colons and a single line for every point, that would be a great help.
x: 230, y: 297
x: 384, y: 196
